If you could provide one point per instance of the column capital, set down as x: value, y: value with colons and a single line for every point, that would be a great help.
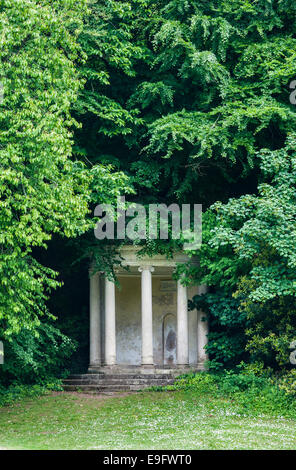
x: 146, y: 267
x: 92, y: 272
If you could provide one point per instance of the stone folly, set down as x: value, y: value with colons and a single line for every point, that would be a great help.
x: 145, y: 325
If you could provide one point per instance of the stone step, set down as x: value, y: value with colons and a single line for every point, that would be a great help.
x: 89, y: 378
x: 113, y: 380
x: 123, y: 375
x: 141, y: 370
x: 104, y: 388
x: 82, y: 376
x: 118, y: 381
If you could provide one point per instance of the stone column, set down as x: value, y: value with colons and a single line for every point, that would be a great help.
x: 110, y: 326
x: 182, y: 326
x: 147, y: 318
x: 95, y: 319
x: 202, y: 332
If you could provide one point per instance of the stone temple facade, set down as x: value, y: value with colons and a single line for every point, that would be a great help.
x: 142, y: 333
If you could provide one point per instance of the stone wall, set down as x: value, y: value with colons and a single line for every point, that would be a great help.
x: 128, y: 321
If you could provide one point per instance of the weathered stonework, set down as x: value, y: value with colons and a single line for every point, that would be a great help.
x: 143, y: 327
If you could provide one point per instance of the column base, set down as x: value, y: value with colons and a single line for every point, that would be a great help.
x: 94, y: 368
x: 95, y: 364
x: 110, y: 364
x: 202, y: 366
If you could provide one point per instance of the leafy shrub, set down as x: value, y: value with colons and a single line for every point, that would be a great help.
x: 271, y: 329
x: 287, y: 383
x: 250, y: 393
x: 32, y: 358
x: 19, y: 392
x: 201, y: 382
x: 227, y: 338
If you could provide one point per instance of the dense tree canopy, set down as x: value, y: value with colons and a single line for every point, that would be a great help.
x: 44, y: 191
x: 163, y: 101
x: 182, y: 94
x: 254, y: 246
x: 191, y: 100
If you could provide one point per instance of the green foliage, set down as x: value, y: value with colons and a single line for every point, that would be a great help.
x: 162, y: 100
x: 288, y: 383
x: 257, y: 234
x: 260, y: 229
x: 251, y: 394
x: 271, y: 329
x: 182, y: 96
x: 110, y: 53
x: 227, y: 341
x: 36, y: 357
x: 18, y: 392
x: 43, y: 190
x: 219, y: 73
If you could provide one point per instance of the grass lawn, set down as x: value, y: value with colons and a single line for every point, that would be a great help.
x: 145, y: 420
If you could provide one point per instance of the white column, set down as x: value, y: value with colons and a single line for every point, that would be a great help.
x: 147, y: 317
x: 182, y: 325
x: 202, y: 331
x: 110, y: 326
x: 95, y: 319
